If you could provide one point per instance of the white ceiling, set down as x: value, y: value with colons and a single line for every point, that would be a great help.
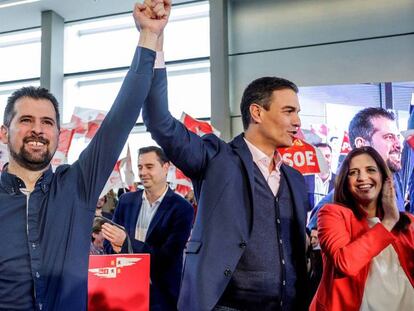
x: 29, y: 15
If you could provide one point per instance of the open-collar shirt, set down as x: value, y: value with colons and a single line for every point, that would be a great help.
x: 263, y: 162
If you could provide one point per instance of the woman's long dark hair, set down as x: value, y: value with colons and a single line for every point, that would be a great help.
x: 343, y: 196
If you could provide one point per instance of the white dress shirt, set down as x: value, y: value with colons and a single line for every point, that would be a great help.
x: 321, y: 188
x: 146, y: 214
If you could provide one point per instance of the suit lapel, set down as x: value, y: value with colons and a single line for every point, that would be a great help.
x: 298, y: 203
x: 240, y: 147
x: 162, y: 209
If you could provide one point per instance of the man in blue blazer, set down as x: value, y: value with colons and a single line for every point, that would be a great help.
x: 321, y: 184
x: 247, y: 248
x: 157, y: 221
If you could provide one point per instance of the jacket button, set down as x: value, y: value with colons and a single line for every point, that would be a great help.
x: 227, y: 272
x: 242, y: 244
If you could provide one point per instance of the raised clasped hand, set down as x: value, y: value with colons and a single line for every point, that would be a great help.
x: 152, y: 15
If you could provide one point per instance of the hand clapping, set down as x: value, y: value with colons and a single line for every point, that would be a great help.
x: 389, y: 204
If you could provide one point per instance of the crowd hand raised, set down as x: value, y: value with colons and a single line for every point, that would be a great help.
x: 114, y: 235
x: 152, y: 16
x: 389, y: 204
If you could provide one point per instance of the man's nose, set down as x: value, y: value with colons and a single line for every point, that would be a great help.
x: 397, y: 144
x: 296, y: 120
x: 37, y: 127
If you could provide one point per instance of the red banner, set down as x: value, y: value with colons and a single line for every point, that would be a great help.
x: 301, y: 156
x: 118, y: 282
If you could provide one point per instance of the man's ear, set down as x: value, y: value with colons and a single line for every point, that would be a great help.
x: 166, y: 167
x: 255, y: 111
x: 360, y: 142
x: 4, y: 134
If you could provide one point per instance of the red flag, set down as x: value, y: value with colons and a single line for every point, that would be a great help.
x: 304, y: 157
x: 199, y: 127
x: 65, y: 140
x: 182, y: 190
x: 126, y: 168
x: 345, y: 146
x: 114, y: 180
x: 87, y: 121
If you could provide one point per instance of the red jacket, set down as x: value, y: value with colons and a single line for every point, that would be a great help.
x: 348, y: 245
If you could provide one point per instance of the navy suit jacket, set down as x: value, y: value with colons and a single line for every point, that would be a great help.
x: 166, y: 238
x: 223, y: 180
x: 310, y: 184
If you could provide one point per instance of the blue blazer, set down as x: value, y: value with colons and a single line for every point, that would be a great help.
x: 223, y: 180
x: 166, y: 238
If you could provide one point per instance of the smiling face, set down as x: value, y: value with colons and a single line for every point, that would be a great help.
x: 386, y: 140
x: 152, y: 173
x: 33, y: 134
x: 364, y: 181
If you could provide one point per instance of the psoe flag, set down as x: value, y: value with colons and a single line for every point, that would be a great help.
x: 304, y: 157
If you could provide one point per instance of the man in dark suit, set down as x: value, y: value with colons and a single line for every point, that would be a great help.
x: 158, y: 222
x: 321, y: 184
x: 247, y: 248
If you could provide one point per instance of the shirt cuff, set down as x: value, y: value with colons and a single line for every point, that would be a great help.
x: 159, y: 60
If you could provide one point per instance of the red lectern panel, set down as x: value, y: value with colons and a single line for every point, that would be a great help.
x: 118, y: 282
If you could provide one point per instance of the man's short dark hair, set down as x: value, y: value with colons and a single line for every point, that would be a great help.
x: 31, y: 92
x: 162, y: 158
x: 361, y: 124
x: 259, y: 92
x: 323, y: 145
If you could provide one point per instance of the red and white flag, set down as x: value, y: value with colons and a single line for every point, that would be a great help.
x: 346, y: 145
x: 199, y: 127
x: 114, y: 180
x: 126, y: 169
x: 87, y: 121
x: 304, y: 157
x: 65, y: 140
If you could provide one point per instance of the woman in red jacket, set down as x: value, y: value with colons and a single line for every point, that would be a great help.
x: 367, y: 244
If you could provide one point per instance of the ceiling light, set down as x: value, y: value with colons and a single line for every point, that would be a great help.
x: 6, y: 3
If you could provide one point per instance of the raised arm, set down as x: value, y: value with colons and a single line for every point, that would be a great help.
x: 185, y: 149
x: 98, y: 159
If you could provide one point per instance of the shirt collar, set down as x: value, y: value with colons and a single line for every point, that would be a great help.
x: 326, y: 180
x: 157, y: 201
x: 12, y: 183
x: 260, y: 157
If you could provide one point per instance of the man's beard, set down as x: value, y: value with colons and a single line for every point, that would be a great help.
x: 393, y: 166
x: 27, y: 160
